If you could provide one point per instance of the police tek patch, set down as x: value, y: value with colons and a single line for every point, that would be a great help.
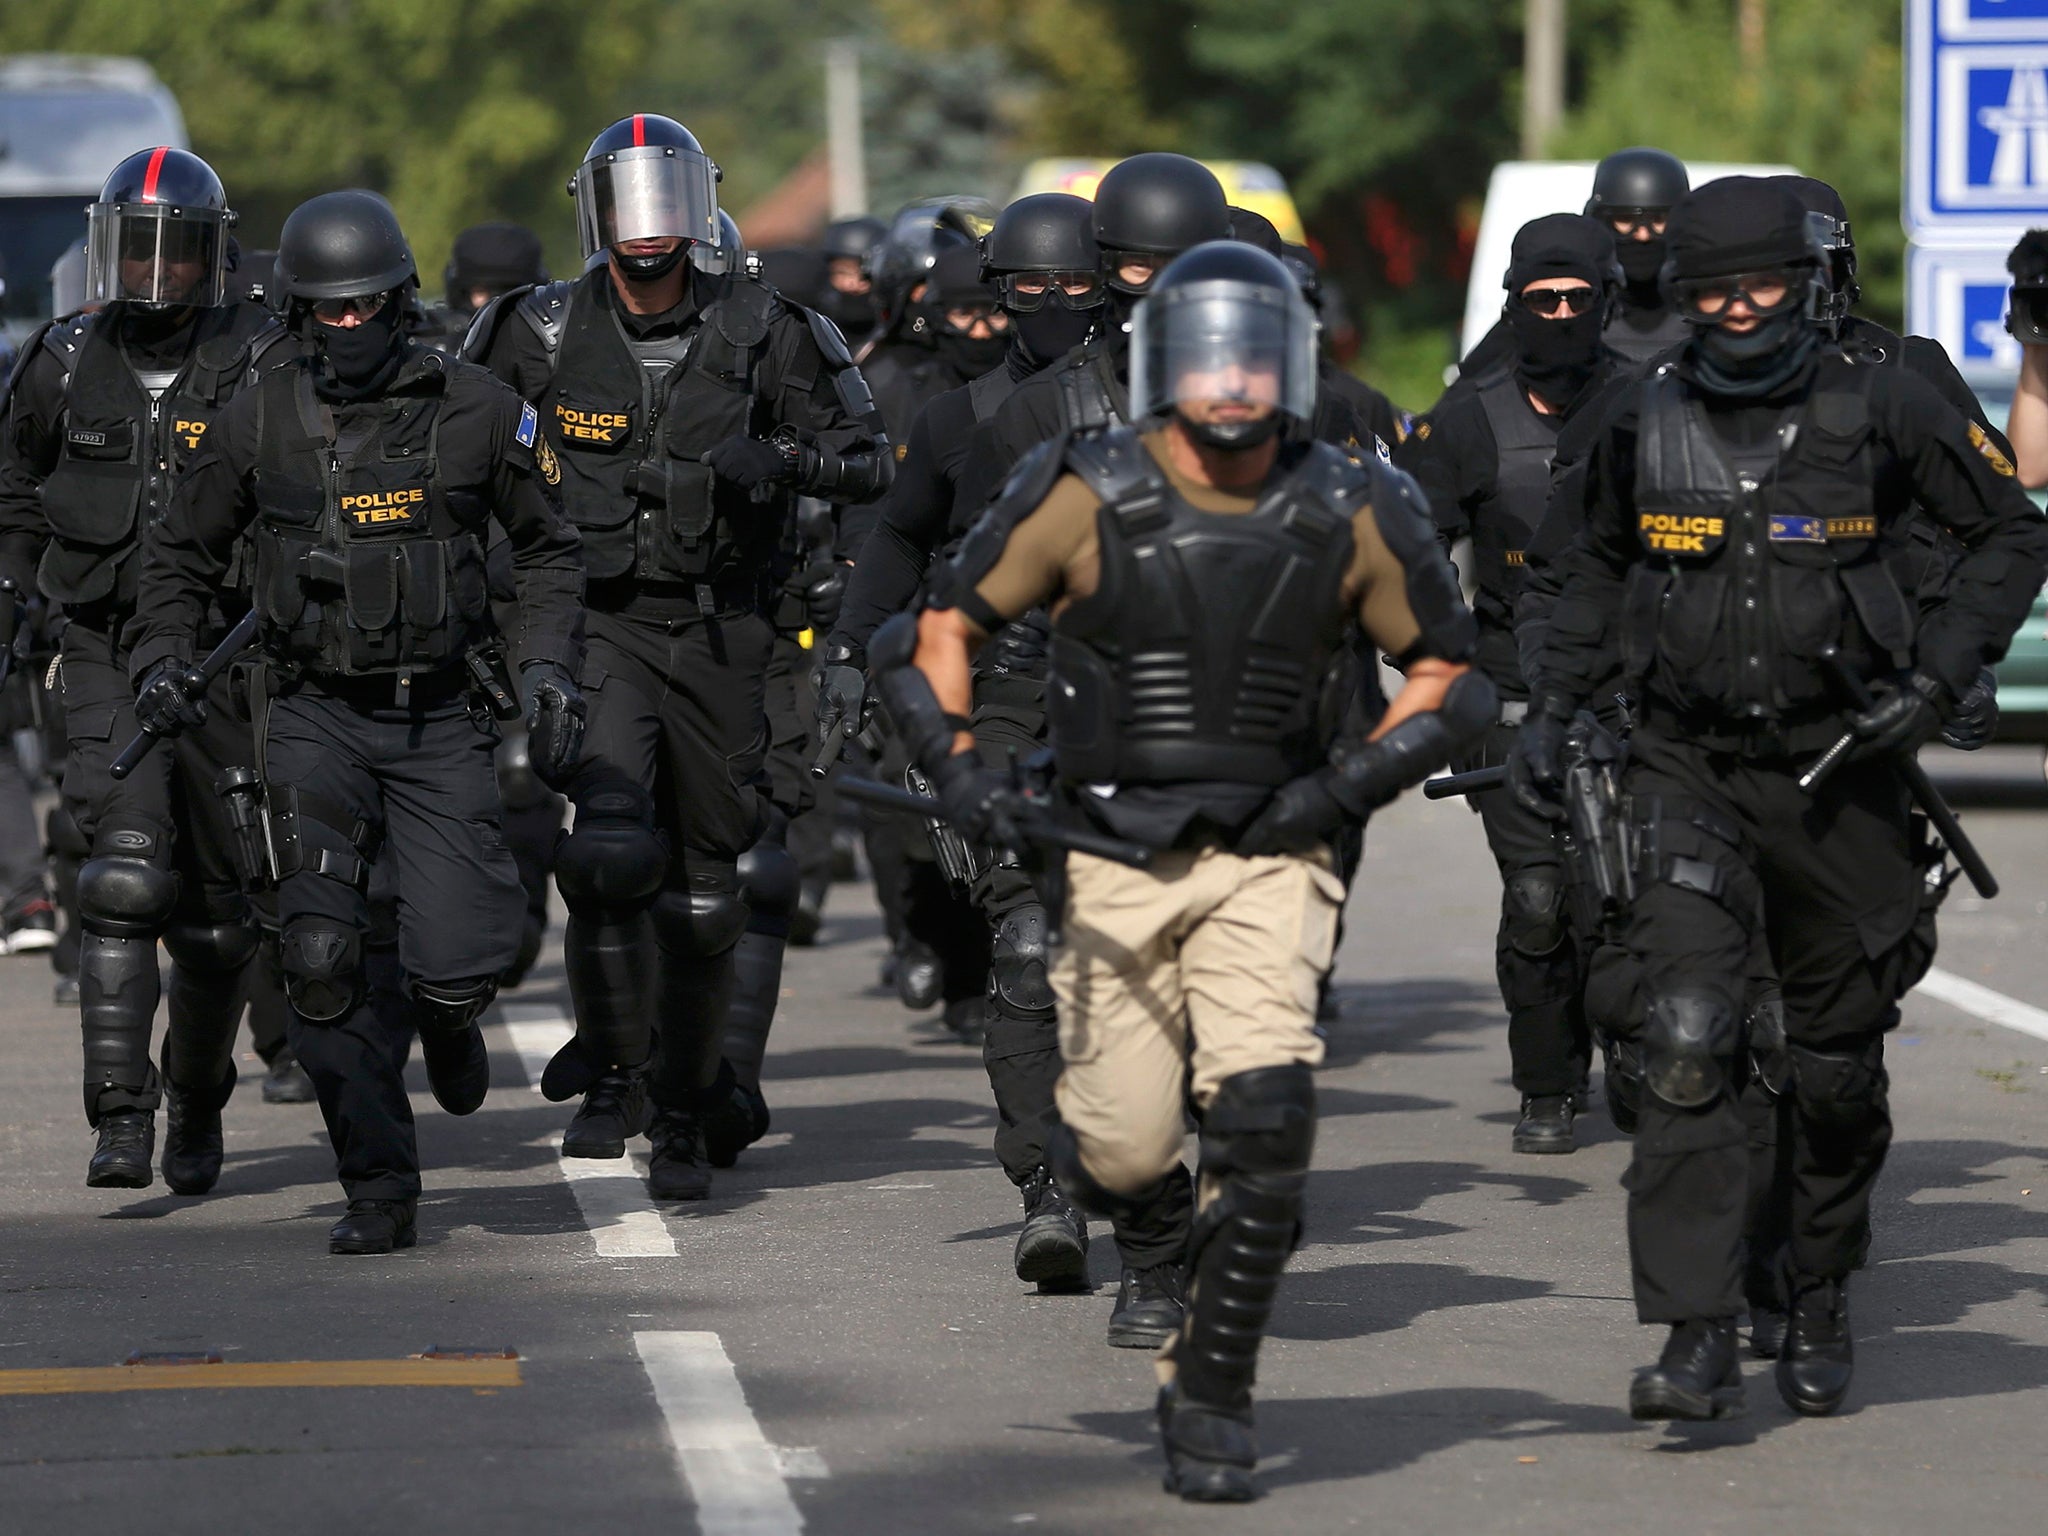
x: 1674, y: 533
x: 374, y: 512
x: 529, y: 425
x: 608, y: 428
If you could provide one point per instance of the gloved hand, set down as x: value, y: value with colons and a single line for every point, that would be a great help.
x: 824, y: 588
x: 750, y: 464
x: 1536, y: 761
x: 2027, y: 315
x: 1300, y: 815
x: 976, y: 798
x: 1976, y: 718
x: 1903, y: 719
x: 554, y: 721
x: 843, y: 693
x: 171, y: 698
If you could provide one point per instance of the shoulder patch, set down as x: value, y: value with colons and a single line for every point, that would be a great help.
x: 1981, y: 441
x: 529, y: 424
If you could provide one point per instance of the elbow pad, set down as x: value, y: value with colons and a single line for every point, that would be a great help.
x: 1364, y: 779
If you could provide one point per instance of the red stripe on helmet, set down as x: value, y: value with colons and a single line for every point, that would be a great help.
x: 639, y: 130
x: 156, y: 164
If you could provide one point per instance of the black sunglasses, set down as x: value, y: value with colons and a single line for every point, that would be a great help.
x: 1547, y: 301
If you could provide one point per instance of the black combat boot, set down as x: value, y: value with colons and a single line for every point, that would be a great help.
x: 1150, y: 1304
x: 920, y: 976
x: 1210, y: 1452
x: 286, y: 1081
x: 1546, y: 1124
x: 1052, y: 1250
x: 126, y: 1147
x: 737, y: 1118
x: 458, y: 1068
x: 614, y: 1109
x: 967, y: 1019
x: 680, y: 1167
x: 1696, y: 1377
x: 374, y: 1226
x: 1818, y: 1356
x: 193, y: 1144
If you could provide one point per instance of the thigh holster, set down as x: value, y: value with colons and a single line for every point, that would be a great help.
x: 1844, y: 1094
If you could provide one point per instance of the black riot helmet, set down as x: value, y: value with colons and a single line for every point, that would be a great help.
x: 851, y: 239
x: 1634, y: 191
x: 2027, y: 316
x: 158, y: 236
x: 1828, y: 218
x: 492, y: 259
x: 341, y: 245
x: 1156, y: 205
x: 1226, y: 326
x: 1047, y: 240
x: 645, y: 178
x: 898, y: 262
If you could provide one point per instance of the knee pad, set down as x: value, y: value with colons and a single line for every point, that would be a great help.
x: 1018, y: 981
x: 212, y: 949
x: 122, y: 892
x: 450, y: 1007
x: 613, y: 857
x: 323, y: 968
x: 706, y: 918
x: 1842, y: 1093
x: 1689, y: 1038
x: 1261, y: 1121
x: 1533, y: 911
x: 770, y: 881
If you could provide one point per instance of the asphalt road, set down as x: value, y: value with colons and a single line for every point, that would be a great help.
x: 834, y: 1343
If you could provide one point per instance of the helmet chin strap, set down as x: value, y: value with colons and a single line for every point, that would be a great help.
x: 647, y: 269
x: 1230, y: 435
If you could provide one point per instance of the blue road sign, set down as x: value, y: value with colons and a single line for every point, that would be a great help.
x: 1956, y: 295
x: 1976, y: 119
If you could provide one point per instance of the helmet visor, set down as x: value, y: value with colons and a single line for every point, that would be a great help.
x: 157, y: 255
x: 656, y: 193
x: 1244, y: 348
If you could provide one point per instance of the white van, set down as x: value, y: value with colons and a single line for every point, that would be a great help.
x: 1522, y: 190
x: 65, y: 122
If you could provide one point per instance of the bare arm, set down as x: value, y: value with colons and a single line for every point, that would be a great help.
x: 2028, y: 427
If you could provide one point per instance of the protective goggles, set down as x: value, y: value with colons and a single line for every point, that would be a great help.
x: 962, y: 318
x: 1026, y: 293
x: 1548, y: 301
x: 362, y: 306
x: 1766, y: 293
x: 1627, y: 221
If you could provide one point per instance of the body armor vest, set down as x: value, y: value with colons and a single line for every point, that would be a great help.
x: 367, y: 560
x: 1756, y: 561
x: 1210, y: 651
x: 630, y: 421
x: 1640, y: 344
x: 1524, y: 445
x: 1091, y: 395
x: 124, y: 437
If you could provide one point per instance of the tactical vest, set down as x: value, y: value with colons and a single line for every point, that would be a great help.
x: 1210, y: 650
x: 1755, y: 562
x: 1091, y: 395
x: 1640, y: 345
x: 121, y: 447
x: 367, y: 561
x: 1525, y: 442
x: 630, y: 436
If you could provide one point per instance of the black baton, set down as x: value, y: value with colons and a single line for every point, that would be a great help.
x: 1476, y: 782
x: 1035, y: 829
x: 828, y: 754
x: 238, y: 640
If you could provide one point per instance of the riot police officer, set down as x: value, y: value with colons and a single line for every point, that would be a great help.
x: 1041, y: 258
x: 366, y: 476
x: 106, y: 409
x: 1482, y: 458
x: 488, y: 260
x: 1232, y: 561
x: 1740, y: 507
x: 848, y: 299
x: 685, y: 409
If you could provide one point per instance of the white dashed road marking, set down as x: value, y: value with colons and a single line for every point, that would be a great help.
x: 1978, y: 1000
x: 734, y: 1474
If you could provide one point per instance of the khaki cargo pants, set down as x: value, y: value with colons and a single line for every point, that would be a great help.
x: 1203, y: 966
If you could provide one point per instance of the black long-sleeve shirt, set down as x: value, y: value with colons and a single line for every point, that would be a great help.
x: 186, y: 556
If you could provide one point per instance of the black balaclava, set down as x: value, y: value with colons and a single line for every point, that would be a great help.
x: 1050, y: 332
x: 356, y: 362
x: 1556, y: 358
x: 956, y: 281
x: 1641, y: 261
x: 1728, y: 227
x: 496, y: 257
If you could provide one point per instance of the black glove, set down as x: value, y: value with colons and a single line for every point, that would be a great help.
x: 824, y: 589
x: 1975, y: 721
x: 2027, y: 314
x: 751, y: 464
x: 1903, y: 719
x: 1536, y: 761
x: 554, y: 721
x: 842, y: 685
x: 977, y: 799
x: 171, y: 698
x: 1301, y: 814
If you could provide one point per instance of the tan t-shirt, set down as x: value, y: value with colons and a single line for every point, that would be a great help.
x: 1054, y: 556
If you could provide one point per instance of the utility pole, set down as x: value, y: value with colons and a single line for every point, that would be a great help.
x: 845, y: 151
x: 1542, y: 74
x: 1749, y: 33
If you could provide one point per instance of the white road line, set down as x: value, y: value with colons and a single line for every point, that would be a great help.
x: 1980, y: 1001
x: 611, y: 1195
x: 734, y: 1474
